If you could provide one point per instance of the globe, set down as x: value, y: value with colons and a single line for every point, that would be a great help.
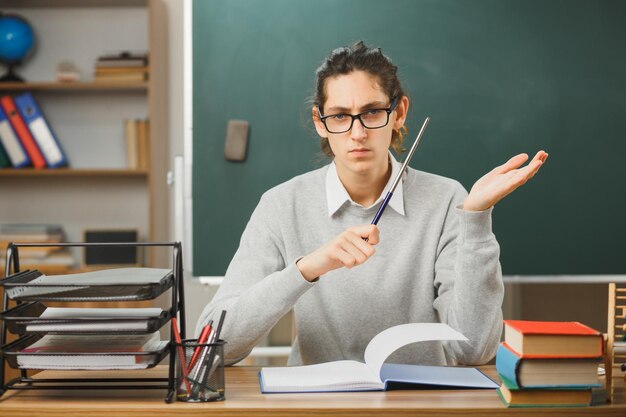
x: 17, y: 40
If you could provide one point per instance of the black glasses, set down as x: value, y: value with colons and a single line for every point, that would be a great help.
x: 370, y: 119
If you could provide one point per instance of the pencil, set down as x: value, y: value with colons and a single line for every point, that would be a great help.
x: 181, y: 353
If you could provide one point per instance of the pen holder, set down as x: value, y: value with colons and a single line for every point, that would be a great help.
x: 199, y: 371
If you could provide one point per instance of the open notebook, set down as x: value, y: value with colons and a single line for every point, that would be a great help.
x: 374, y: 374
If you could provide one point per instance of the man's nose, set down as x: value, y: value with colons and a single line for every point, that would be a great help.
x: 358, y: 131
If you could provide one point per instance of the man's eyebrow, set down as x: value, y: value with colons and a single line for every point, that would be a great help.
x: 371, y: 105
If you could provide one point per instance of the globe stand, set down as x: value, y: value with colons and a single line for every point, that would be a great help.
x: 11, y: 76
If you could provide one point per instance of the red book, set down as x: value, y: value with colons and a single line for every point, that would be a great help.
x: 552, y: 339
x: 23, y: 133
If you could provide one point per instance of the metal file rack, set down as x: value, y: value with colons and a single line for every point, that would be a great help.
x: 172, y: 281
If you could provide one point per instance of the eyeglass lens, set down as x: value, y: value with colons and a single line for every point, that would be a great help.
x: 372, y: 119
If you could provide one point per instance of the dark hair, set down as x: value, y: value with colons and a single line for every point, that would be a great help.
x: 358, y: 57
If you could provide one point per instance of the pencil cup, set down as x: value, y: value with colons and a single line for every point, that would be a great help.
x: 199, y: 371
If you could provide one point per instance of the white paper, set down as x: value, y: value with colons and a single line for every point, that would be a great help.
x: 98, y: 313
x: 392, y: 339
x: 95, y: 347
x: 110, y: 276
x: 95, y: 361
x: 329, y: 376
x: 87, y: 313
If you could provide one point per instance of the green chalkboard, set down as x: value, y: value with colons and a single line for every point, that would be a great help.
x: 496, y: 77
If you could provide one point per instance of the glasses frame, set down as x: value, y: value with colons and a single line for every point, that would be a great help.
x: 388, y: 110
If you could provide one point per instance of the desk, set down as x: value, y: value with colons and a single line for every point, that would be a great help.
x: 243, y: 398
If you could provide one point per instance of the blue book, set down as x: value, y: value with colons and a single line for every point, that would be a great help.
x: 517, y: 372
x: 12, y: 145
x: 41, y: 131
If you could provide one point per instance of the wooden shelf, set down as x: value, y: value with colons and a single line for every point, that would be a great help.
x: 76, y: 86
x: 70, y: 172
x: 73, y: 3
x: 77, y: 107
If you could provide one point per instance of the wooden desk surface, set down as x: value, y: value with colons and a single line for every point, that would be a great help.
x: 243, y: 398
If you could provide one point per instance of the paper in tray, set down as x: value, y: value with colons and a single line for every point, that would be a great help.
x: 72, y: 355
x: 35, y: 317
x: 120, y: 284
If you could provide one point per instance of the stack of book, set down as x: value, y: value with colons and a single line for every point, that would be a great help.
x: 122, y: 67
x: 26, y: 138
x: 548, y: 364
x: 51, y: 259
x: 137, y: 133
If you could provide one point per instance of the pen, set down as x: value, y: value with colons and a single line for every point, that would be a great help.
x: 181, y: 352
x: 204, y: 335
x: 205, y: 351
x: 199, y: 361
x: 396, y: 181
x: 205, y: 366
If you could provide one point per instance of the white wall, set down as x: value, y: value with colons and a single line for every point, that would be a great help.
x: 196, y: 295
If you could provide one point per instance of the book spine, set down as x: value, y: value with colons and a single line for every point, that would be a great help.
x: 143, y: 140
x: 23, y: 132
x: 12, y: 145
x: 507, y: 365
x: 130, y: 134
x: 40, y: 130
x: 5, y: 162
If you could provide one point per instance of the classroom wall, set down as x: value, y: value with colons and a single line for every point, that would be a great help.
x: 197, y: 295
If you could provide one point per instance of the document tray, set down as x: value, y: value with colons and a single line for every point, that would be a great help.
x: 26, y: 318
x: 72, y: 360
x: 31, y: 285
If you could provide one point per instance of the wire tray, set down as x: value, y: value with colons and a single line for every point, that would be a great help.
x: 26, y: 318
x: 30, y: 285
x: 73, y: 360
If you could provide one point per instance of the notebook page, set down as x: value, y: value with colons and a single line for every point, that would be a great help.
x: 393, y: 338
x: 348, y: 375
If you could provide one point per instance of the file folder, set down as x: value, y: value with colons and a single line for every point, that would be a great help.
x: 40, y: 130
x: 12, y: 145
x: 23, y: 133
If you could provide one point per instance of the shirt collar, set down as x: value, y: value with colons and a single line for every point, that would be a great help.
x: 336, y: 194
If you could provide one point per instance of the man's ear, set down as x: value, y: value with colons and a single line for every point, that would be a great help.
x: 401, y: 112
x: 319, y: 126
